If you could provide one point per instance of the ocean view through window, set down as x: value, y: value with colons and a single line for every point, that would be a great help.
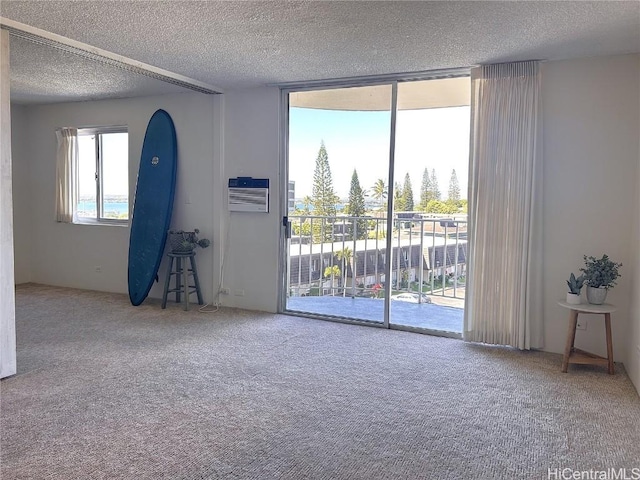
x: 102, y: 175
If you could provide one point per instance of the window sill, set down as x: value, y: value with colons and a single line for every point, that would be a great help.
x: 104, y: 223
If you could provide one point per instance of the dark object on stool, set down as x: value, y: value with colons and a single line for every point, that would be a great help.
x: 182, y: 273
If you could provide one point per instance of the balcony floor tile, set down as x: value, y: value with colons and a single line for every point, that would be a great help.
x: 427, y: 316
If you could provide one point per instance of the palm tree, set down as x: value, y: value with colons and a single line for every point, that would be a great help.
x: 345, y: 255
x: 306, y: 204
x: 332, y: 272
x: 379, y: 191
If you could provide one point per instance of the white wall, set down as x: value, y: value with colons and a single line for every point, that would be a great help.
x: 7, y: 294
x: 633, y: 348
x: 244, y: 125
x: 22, y: 224
x: 251, y: 148
x: 591, y: 130
x: 67, y: 254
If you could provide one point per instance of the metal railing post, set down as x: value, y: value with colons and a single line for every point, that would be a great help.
x: 354, y: 263
x: 432, y: 263
x: 398, y: 258
x: 299, y: 256
x: 444, y: 260
x: 455, y: 271
x: 311, y: 258
x: 421, y: 272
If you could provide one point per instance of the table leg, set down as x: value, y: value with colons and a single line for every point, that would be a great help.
x: 571, y: 338
x: 185, y: 276
x: 607, y: 326
x: 196, y: 281
x: 178, y: 278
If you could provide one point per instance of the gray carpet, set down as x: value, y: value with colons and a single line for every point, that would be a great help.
x: 106, y: 390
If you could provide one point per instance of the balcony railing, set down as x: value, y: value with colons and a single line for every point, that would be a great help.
x: 347, y: 256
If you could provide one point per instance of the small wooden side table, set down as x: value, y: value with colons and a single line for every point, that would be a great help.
x: 573, y: 355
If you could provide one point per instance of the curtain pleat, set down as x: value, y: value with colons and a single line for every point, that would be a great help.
x: 66, y: 162
x: 504, y: 291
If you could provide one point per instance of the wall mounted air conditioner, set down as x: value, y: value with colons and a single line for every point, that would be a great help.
x: 248, y: 194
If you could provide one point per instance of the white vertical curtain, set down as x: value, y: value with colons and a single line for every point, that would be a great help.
x: 66, y: 163
x: 504, y: 291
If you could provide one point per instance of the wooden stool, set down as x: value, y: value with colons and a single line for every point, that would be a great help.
x: 573, y: 355
x: 182, y: 273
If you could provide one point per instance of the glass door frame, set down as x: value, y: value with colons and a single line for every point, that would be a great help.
x: 285, y: 90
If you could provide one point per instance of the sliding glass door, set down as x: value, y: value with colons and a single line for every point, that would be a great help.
x: 430, y: 205
x: 376, y: 203
x: 337, y: 201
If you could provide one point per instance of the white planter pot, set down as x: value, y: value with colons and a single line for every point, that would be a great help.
x: 573, y: 299
x: 596, y: 296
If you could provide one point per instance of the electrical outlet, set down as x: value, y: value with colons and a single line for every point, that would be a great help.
x: 225, y: 291
x: 238, y: 293
x: 582, y: 324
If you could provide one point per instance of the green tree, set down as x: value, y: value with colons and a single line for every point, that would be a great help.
x: 323, y: 197
x: 355, y: 207
x: 435, y: 190
x: 436, y: 206
x: 454, y: 187
x: 306, y: 205
x: 425, y: 190
x: 379, y: 191
x: 331, y: 273
x: 407, y: 193
x: 301, y: 228
x: 398, y: 199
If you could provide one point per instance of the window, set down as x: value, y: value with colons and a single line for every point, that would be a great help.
x: 102, y: 180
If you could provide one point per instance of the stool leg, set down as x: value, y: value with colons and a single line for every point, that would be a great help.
x: 166, y: 283
x: 571, y: 338
x: 178, y: 278
x: 196, y: 281
x: 607, y: 326
x: 185, y: 277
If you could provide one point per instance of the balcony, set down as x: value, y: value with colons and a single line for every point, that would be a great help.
x: 337, y: 268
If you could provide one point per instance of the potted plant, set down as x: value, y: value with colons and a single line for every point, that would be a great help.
x: 575, y: 285
x: 600, y: 275
x: 184, y: 242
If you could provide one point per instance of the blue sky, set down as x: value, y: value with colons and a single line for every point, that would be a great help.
x: 434, y: 138
x: 115, y: 166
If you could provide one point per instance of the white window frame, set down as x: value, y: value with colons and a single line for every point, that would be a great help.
x: 99, y: 220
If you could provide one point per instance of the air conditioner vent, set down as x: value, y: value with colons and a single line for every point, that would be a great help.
x: 248, y: 194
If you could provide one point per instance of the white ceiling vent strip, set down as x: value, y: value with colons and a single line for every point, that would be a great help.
x: 96, y: 54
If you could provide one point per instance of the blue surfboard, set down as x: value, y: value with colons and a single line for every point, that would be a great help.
x: 153, y: 205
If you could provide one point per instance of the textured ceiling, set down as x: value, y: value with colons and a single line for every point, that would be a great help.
x: 42, y: 74
x: 236, y: 44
